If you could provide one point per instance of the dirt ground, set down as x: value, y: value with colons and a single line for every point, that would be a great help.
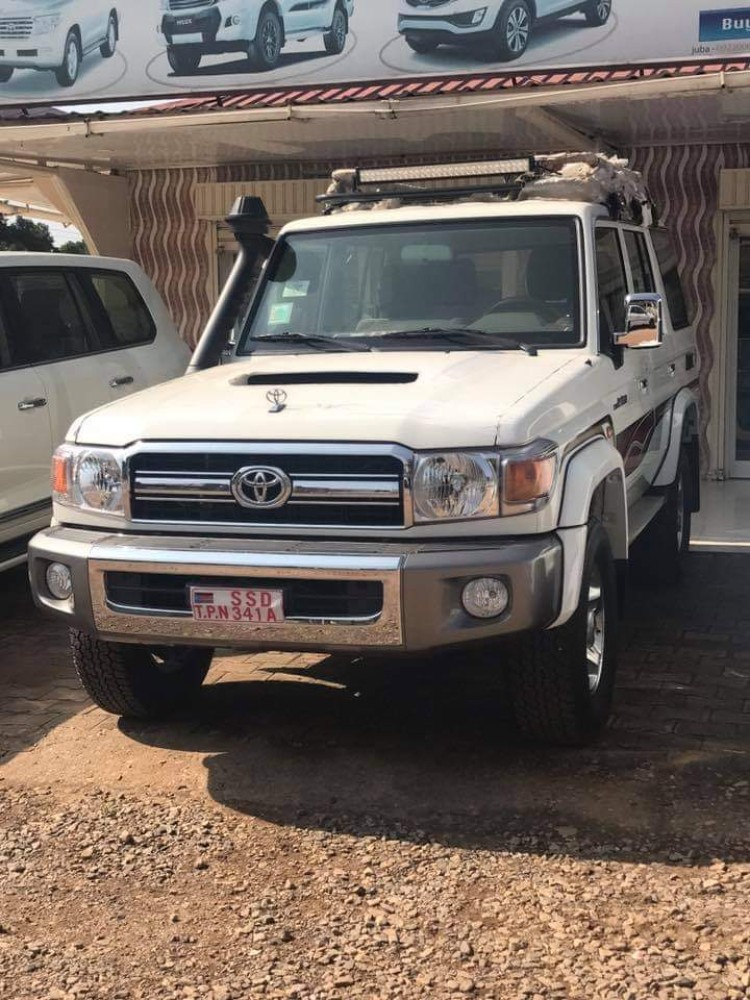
x: 316, y: 830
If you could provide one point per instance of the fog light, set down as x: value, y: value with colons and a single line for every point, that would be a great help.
x: 485, y: 598
x: 59, y: 581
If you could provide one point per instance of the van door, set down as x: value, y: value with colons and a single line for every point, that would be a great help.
x: 629, y: 397
x: 25, y: 439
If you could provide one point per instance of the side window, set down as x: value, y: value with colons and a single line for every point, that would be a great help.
x: 125, y: 317
x: 5, y: 359
x: 612, y: 285
x: 49, y: 325
x: 640, y: 265
x: 669, y: 267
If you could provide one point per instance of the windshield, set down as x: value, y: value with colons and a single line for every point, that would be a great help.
x: 496, y: 284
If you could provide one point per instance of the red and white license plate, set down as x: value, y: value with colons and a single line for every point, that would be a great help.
x: 254, y: 606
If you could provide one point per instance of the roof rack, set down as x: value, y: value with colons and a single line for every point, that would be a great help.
x: 589, y: 177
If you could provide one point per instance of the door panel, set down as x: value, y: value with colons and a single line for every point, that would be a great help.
x: 310, y: 15
x: 739, y: 358
x: 25, y: 444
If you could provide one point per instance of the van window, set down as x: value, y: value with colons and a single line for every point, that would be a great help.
x: 670, y: 275
x: 5, y: 359
x: 49, y: 325
x: 612, y: 285
x: 640, y: 264
x: 124, y: 317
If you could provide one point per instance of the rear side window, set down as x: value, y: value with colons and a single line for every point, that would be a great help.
x: 122, y: 316
x: 670, y: 275
x: 5, y: 359
x: 612, y: 285
x: 49, y: 325
x: 640, y: 264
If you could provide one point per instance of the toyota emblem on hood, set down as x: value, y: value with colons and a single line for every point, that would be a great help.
x: 261, y: 488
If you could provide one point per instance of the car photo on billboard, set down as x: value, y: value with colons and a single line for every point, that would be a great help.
x: 55, y: 35
x: 499, y: 29
x: 257, y: 29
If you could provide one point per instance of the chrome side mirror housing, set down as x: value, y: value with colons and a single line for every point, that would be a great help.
x: 644, y: 322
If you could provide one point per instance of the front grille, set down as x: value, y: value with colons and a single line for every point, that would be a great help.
x: 427, y: 3
x: 16, y: 27
x: 327, y: 490
x: 185, y: 4
x: 304, y: 600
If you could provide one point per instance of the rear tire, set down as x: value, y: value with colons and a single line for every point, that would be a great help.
x: 335, y: 40
x: 6, y: 72
x: 512, y: 31
x: 658, y: 555
x: 183, y: 60
x: 421, y: 44
x: 265, y: 51
x: 134, y: 681
x: 108, y: 46
x: 597, y: 12
x: 562, y: 682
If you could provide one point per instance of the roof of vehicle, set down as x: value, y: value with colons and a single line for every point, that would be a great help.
x: 447, y: 213
x: 12, y: 258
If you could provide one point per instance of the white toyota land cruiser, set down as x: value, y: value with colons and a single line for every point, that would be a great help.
x: 449, y: 415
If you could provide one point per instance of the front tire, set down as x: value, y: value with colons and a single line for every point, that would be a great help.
x: 597, y: 12
x: 420, y: 44
x: 134, y: 681
x: 108, y: 46
x: 335, y: 40
x: 562, y: 682
x: 183, y: 60
x: 67, y: 74
x: 512, y: 31
x: 265, y: 51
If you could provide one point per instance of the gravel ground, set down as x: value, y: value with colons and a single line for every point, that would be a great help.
x: 124, y: 896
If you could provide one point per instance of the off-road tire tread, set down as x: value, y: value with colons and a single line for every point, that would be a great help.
x: 329, y: 39
x: 119, y: 680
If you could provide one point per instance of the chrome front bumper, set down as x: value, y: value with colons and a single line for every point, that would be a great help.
x: 421, y: 586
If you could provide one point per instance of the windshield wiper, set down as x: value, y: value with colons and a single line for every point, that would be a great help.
x: 312, y: 339
x: 463, y: 335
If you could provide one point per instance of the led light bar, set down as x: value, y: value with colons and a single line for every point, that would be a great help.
x: 447, y: 171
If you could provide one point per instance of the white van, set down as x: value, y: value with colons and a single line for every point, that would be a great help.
x: 502, y: 28
x: 257, y: 29
x: 75, y: 333
x: 55, y: 35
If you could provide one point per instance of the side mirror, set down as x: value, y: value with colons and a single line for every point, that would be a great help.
x: 644, y: 322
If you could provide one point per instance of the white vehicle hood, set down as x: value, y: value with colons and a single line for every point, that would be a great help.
x: 454, y: 399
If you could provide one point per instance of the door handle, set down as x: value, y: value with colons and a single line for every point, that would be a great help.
x: 116, y: 383
x: 32, y: 404
x: 643, y: 384
x: 672, y: 371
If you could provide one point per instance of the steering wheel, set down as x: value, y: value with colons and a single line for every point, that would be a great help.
x: 546, y: 310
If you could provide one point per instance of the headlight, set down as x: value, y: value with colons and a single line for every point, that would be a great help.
x: 528, y: 477
x: 89, y: 478
x: 455, y: 486
x: 47, y: 23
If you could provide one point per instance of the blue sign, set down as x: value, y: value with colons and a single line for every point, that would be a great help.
x: 725, y: 25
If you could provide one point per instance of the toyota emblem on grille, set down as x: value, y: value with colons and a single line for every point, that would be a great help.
x: 277, y: 398
x: 261, y: 488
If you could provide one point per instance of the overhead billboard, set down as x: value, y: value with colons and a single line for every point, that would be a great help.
x: 79, y: 51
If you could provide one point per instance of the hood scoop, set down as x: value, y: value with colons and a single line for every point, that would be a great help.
x: 329, y: 378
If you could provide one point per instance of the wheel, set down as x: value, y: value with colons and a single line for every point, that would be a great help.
x: 335, y: 40
x: 136, y: 681
x: 6, y: 72
x: 597, y: 12
x: 512, y: 31
x: 67, y: 74
x: 420, y: 44
x: 265, y: 51
x: 108, y: 46
x: 562, y: 681
x: 658, y: 554
x: 183, y: 59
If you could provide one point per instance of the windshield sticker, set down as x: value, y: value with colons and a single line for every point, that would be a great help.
x: 296, y: 289
x: 281, y: 313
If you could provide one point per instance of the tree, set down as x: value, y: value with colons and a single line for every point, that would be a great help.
x: 23, y: 234
x: 73, y: 246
